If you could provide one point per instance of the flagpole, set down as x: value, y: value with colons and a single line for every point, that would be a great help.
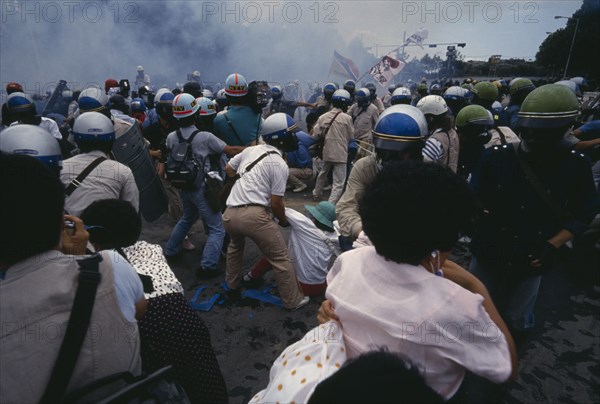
x: 368, y: 71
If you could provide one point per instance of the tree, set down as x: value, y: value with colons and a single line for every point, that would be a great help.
x: 585, y: 58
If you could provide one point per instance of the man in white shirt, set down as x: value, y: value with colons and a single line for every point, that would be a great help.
x: 261, y: 185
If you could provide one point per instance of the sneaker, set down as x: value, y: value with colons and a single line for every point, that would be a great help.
x: 300, y: 188
x: 187, y: 244
x: 300, y: 305
x: 327, y: 187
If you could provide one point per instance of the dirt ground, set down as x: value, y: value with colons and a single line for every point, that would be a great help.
x: 559, y: 363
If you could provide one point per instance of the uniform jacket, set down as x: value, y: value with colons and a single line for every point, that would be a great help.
x: 518, y: 221
x: 335, y: 148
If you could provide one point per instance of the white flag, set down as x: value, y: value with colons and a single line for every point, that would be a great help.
x: 386, y: 69
x: 417, y: 38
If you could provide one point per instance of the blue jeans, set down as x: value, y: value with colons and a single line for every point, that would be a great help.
x: 514, y: 295
x: 194, y: 206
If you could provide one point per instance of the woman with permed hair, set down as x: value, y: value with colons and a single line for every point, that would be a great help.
x: 403, y: 294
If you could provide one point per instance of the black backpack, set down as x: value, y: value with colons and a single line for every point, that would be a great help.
x: 182, y: 169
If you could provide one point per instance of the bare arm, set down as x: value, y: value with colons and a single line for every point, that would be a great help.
x: 464, y: 278
x: 278, y: 208
x: 586, y: 144
x: 141, y: 308
x: 229, y: 171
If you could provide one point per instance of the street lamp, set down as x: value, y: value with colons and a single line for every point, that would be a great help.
x: 556, y: 17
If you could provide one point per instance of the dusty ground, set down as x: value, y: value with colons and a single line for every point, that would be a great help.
x: 560, y: 363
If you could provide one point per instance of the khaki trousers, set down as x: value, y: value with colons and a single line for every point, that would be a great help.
x: 255, y: 222
x: 297, y: 176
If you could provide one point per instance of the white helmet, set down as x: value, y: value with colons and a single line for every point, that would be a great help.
x: 184, y: 105
x: 160, y: 93
x: 236, y: 85
x: 277, y: 127
x: 196, y: 74
x: 432, y: 105
x: 140, y: 68
x: 455, y: 93
x: 92, y: 99
x: 32, y: 141
x: 341, y: 95
x: 401, y: 95
x: 207, y: 107
x: 221, y: 95
x: 93, y: 126
x: 206, y: 93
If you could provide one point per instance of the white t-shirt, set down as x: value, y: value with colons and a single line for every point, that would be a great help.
x: 48, y: 124
x: 309, y: 248
x: 268, y: 177
x: 437, y: 325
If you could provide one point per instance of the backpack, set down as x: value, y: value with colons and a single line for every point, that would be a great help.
x: 182, y: 169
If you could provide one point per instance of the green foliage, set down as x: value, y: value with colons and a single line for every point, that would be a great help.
x: 585, y: 58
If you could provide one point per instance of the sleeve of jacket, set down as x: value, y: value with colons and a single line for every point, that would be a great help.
x: 347, y: 207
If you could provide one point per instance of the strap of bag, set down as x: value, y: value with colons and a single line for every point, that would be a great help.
x: 502, y: 137
x: 537, y: 185
x: 354, y: 118
x: 258, y: 128
x: 233, y: 129
x: 188, y: 140
x: 255, y: 162
x: 79, y: 320
x: 330, y: 123
x: 75, y: 183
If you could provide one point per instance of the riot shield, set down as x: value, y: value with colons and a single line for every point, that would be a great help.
x: 130, y: 149
x: 55, y: 103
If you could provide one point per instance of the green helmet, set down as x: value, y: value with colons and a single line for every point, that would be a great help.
x: 466, y: 86
x: 548, y: 106
x: 422, y: 88
x: 474, y: 115
x: 521, y: 84
x: 486, y: 91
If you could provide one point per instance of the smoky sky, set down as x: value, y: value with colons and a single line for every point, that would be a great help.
x: 88, y: 42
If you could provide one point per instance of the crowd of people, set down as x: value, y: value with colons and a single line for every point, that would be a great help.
x: 510, y: 167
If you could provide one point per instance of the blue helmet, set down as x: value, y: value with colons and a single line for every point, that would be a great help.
x: 349, y: 85
x: 165, y: 98
x: 398, y: 127
x: 138, y: 105
x: 20, y: 102
x: 329, y: 89
x: 276, y: 92
x: 363, y: 96
x: 32, y: 141
x: 93, y: 99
